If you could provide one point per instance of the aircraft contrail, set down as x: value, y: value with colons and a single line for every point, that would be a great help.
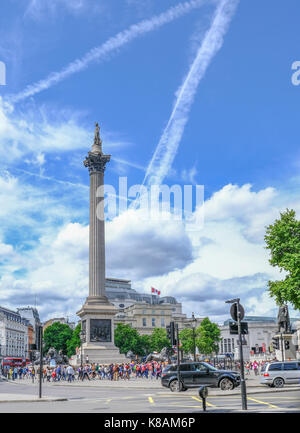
x: 112, y: 44
x: 168, y: 144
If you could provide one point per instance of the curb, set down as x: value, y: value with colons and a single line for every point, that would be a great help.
x: 36, y: 400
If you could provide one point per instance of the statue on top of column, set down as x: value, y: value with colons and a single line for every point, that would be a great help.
x: 97, y: 139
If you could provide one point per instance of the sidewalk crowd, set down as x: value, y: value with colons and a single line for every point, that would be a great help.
x: 125, y: 371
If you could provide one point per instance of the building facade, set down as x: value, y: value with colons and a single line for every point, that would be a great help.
x: 257, y: 344
x: 13, y: 334
x: 32, y: 315
x: 62, y: 320
x: 144, y: 311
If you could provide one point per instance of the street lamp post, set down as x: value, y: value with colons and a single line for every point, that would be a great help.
x: 194, y: 320
x: 81, y: 336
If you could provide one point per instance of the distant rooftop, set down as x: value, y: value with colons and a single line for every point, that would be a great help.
x: 260, y: 319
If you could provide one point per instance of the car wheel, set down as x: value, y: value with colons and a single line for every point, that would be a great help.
x: 226, y: 384
x: 174, y: 385
x: 278, y: 382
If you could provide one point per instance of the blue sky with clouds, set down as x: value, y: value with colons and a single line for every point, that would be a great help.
x: 206, y: 84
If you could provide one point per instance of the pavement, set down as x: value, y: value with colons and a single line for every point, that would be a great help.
x: 252, y: 384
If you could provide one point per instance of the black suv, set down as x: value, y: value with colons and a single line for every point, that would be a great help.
x: 194, y: 374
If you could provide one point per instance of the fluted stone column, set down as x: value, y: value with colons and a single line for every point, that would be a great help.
x: 96, y: 162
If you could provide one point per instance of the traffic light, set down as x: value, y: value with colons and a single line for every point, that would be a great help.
x: 171, y: 333
x: 168, y: 328
x: 233, y: 328
x: 275, y: 342
x: 286, y: 345
x: 173, y: 337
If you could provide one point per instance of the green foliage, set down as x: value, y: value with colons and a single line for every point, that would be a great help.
x: 159, y: 339
x: 186, y: 340
x: 145, y: 344
x: 127, y: 338
x: 74, y: 341
x: 57, y: 336
x: 283, y: 240
x: 207, y: 337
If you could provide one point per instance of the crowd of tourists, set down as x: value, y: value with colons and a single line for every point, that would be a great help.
x: 113, y: 372
x: 125, y: 371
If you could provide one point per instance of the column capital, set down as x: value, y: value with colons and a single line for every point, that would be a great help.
x: 96, y: 162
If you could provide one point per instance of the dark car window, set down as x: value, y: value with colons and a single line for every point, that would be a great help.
x: 209, y: 366
x: 275, y: 367
x: 290, y: 366
x: 200, y: 367
x: 169, y: 368
x: 185, y: 367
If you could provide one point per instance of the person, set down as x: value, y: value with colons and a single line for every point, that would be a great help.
x: 70, y: 373
x: 48, y: 374
x: 85, y: 373
x: 255, y: 367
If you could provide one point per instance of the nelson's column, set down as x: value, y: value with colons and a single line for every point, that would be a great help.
x: 97, y: 313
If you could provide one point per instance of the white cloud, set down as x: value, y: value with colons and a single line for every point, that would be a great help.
x: 35, y: 132
x: 200, y: 269
x: 40, y: 8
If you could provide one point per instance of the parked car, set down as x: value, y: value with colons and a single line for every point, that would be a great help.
x: 277, y: 374
x: 194, y: 374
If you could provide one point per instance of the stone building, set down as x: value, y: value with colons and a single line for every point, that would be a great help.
x: 258, y: 341
x: 144, y: 311
x: 13, y: 334
x: 62, y: 320
x: 32, y: 315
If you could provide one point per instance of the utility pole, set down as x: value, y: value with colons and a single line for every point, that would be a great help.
x: 282, y: 350
x: 41, y: 360
x: 178, y: 358
x: 237, y: 313
x: 243, y: 383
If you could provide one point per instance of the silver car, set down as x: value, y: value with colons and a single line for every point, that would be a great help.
x: 279, y: 373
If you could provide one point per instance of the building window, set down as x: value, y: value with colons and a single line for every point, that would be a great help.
x: 153, y: 321
x: 162, y: 313
x: 144, y: 322
x: 163, y: 322
x: 232, y: 344
x: 153, y: 312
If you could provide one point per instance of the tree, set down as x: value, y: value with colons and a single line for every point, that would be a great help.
x: 159, y: 339
x: 145, y: 344
x: 283, y: 240
x: 127, y: 338
x: 186, y: 340
x: 57, y: 336
x: 74, y: 341
x: 207, y: 337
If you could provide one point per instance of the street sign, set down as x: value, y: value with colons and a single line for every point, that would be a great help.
x: 233, y: 311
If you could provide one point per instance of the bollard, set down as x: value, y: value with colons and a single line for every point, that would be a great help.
x: 203, y: 393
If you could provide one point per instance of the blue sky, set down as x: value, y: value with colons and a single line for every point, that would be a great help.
x: 241, y: 128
